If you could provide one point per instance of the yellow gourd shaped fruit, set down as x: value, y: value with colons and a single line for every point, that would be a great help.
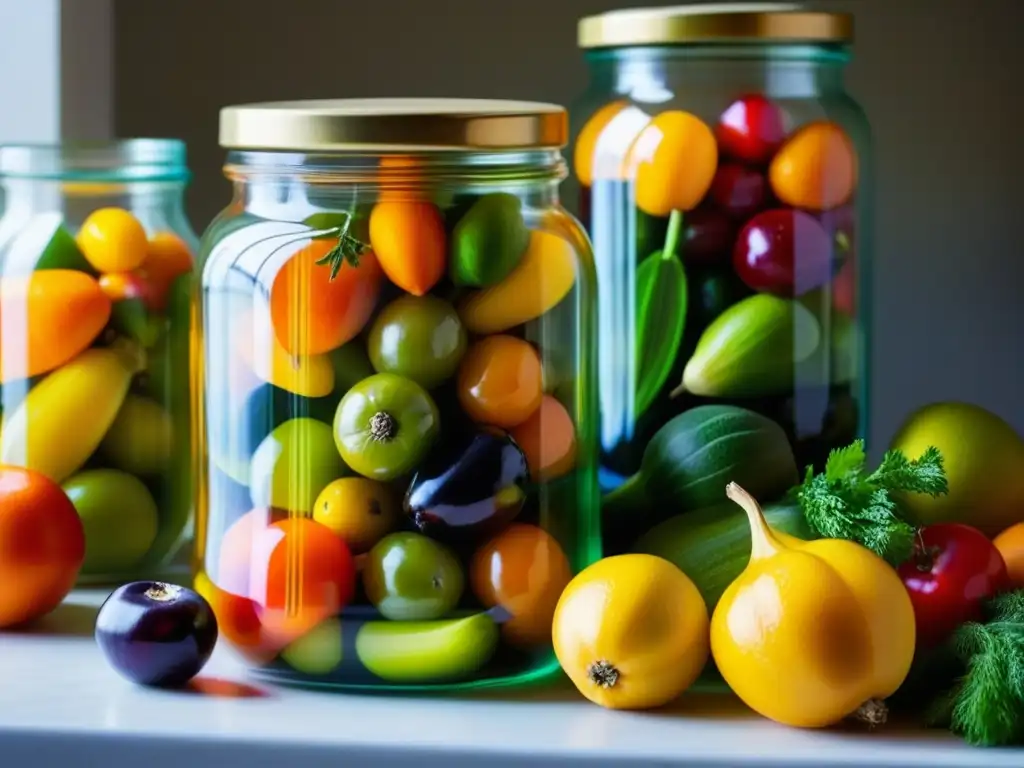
x: 812, y: 632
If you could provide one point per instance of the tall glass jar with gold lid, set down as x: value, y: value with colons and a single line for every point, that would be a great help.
x: 724, y: 175
x: 396, y: 450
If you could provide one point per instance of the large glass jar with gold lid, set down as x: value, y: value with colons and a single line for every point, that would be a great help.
x: 396, y: 430
x: 724, y: 176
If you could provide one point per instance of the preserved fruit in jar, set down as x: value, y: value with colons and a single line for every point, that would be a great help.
x: 96, y: 264
x: 398, y: 401
x: 722, y: 173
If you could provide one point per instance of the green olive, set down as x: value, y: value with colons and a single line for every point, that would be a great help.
x: 385, y: 425
x: 418, y: 337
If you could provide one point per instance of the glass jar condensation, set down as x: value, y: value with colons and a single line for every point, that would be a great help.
x: 397, y: 470
x: 96, y: 262
x: 724, y: 177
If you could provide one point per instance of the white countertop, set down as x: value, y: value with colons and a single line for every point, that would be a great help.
x: 61, y: 705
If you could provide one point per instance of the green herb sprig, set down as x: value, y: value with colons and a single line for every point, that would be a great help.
x: 986, y: 704
x: 347, y: 250
x: 847, y: 502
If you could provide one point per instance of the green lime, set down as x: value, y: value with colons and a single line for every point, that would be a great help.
x: 119, y: 516
x: 293, y: 464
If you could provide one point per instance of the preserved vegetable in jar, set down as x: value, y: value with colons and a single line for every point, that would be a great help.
x: 96, y: 264
x: 396, y: 426
x: 723, y: 175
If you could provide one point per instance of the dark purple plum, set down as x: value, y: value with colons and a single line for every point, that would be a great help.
x: 156, y: 634
x: 469, y: 488
x: 783, y: 251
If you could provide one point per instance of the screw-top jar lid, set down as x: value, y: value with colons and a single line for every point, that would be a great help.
x: 714, y: 23
x: 384, y: 125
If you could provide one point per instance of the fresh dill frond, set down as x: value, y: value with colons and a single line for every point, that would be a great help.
x: 845, y: 502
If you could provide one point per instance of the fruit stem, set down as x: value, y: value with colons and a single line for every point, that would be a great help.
x: 873, y: 712
x: 383, y: 427
x: 678, y: 391
x: 603, y: 674
x: 163, y: 593
x: 675, y: 230
x: 762, y: 541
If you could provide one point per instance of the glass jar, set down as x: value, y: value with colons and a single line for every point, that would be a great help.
x: 724, y: 179
x: 96, y: 258
x: 397, y: 458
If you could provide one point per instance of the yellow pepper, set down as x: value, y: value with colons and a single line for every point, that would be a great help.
x: 812, y: 632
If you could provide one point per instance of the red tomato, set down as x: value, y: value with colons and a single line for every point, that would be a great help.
x: 954, y: 569
x: 751, y: 129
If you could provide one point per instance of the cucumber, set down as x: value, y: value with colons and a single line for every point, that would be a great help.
x: 712, y: 545
x: 691, y: 459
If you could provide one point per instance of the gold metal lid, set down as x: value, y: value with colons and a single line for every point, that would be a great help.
x: 383, y: 125
x: 714, y: 23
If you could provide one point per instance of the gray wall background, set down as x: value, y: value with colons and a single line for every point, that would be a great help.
x: 940, y: 79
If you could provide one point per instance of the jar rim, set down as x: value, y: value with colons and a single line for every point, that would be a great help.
x: 404, y: 124
x: 714, y: 23
x: 119, y: 160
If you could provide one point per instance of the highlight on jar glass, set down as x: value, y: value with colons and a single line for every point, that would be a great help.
x: 723, y: 175
x: 96, y: 260
x: 398, y: 414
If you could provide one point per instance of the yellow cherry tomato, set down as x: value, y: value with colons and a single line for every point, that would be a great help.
x: 631, y: 632
x: 586, y: 142
x: 113, y: 240
x: 358, y: 510
x: 672, y: 161
x: 812, y: 632
x: 815, y: 169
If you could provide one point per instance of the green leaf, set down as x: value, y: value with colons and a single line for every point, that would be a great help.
x: 661, y: 300
x: 845, y: 463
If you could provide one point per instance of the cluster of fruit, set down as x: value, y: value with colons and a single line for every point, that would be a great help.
x: 833, y: 600
x: 744, y: 235
x: 94, y: 327
x: 384, y: 444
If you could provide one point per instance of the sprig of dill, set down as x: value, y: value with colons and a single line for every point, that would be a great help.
x: 846, y: 502
x: 986, y: 704
x: 347, y: 250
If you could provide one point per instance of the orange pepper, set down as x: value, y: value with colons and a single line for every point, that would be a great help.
x: 50, y: 316
x: 672, y: 161
x: 815, y: 169
x: 313, y: 314
x: 409, y: 240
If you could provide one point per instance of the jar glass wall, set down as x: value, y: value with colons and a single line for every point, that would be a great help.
x: 96, y: 258
x: 724, y: 178
x: 396, y: 434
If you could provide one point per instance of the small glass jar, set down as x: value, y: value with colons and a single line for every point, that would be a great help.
x: 397, y: 458
x: 96, y: 258
x: 724, y: 178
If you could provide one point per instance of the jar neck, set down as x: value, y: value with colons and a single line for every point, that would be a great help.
x: 653, y: 74
x: 143, y: 175
x: 290, y: 186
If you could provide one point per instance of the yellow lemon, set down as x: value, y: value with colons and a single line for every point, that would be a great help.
x: 631, y: 632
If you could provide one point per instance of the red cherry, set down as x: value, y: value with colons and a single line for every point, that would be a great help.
x: 739, y: 191
x: 707, y: 237
x: 783, y: 251
x: 751, y: 129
